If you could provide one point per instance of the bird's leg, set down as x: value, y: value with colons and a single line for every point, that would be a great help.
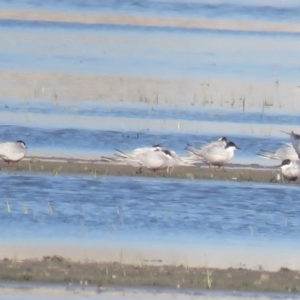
x: 153, y: 172
x: 139, y: 171
x: 9, y: 163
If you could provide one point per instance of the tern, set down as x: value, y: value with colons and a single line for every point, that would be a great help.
x: 137, y: 151
x: 290, y: 169
x: 195, y: 152
x: 216, y: 155
x: 153, y: 158
x: 295, y: 140
x: 12, y: 152
x: 286, y: 152
x: 221, y: 142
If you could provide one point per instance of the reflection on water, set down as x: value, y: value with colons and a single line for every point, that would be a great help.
x: 146, y: 210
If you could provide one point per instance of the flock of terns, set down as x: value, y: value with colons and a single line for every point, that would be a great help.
x: 217, y: 153
x: 289, y: 155
x: 156, y: 158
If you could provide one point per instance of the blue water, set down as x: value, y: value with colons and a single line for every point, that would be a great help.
x: 144, y: 210
x: 104, y: 142
x: 192, y: 113
x: 129, y: 51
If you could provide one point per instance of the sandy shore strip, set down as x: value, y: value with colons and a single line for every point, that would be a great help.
x: 149, y: 21
x: 59, y: 270
x: 262, y: 255
x: 57, y: 167
x: 65, y: 90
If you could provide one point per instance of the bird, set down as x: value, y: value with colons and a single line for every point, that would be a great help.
x: 295, y: 140
x: 221, y: 142
x: 286, y: 152
x: 290, y: 169
x: 12, y: 152
x: 216, y: 155
x: 132, y: 158
x: 154, y: 158
x: 137, y: 151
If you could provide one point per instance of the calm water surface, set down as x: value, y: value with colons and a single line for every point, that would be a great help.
x: 164, y: 53
x: 147, y: 210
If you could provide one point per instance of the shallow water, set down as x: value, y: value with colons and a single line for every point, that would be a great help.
x: 146, y: 210
x: 27, y: 291
x: 163, y: 52
x: 157, y: 112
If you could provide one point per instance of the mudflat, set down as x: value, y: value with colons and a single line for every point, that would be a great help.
x: 98, y: 168
x: 56, y: 269
x: 212, y: 93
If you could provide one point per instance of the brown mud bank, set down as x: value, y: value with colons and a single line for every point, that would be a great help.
x: 56, y: 269
x: 98, y: 168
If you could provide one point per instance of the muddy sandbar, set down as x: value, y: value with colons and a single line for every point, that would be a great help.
x: 57, y: 269
x: 98, y: 168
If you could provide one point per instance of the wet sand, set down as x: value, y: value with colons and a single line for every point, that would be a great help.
x: 149, y: 21
x: 56, y: 269
x: 99, y: 168
x: 65, y: 90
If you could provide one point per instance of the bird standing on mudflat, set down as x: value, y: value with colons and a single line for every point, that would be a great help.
x: 221, y: 142
x: 12, y: 152
x: 216, y: 155
x: 290, y: 169
x: 153, y: 158
x: 286, y: 152
x: 295, y: 140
